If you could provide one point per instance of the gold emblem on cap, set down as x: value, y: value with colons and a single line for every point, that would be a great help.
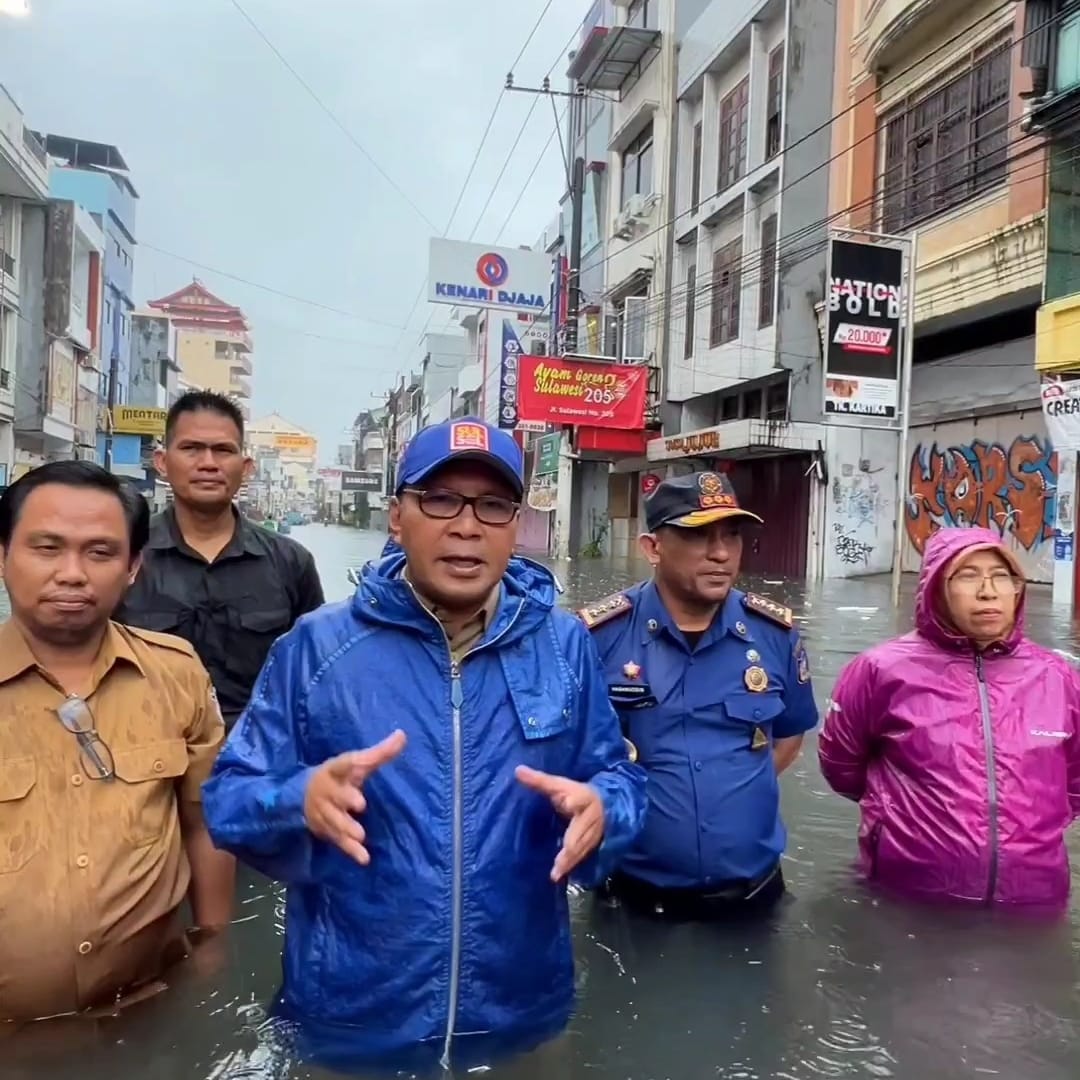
x: 710, y: 483
x: 756, y: 680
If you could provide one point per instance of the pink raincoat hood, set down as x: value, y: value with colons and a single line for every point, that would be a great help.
x: 941, y: 549
x: 965, y: 764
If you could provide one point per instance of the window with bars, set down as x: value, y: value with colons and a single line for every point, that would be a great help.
x: 767, y: 269
x: 691, y: 307
x: 943, y: 147
x: 774, y: 103
x: 726, y: 294
x: 695, y: 169
x: 734, y: 116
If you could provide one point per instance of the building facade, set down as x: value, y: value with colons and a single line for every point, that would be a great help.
x: 934, y: 138
x: 24, y: 185
x: 58, y: 360
x: 212, y: 342
x: 95, y: 176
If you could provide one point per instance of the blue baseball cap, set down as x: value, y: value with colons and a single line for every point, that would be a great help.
x: 467, y: 439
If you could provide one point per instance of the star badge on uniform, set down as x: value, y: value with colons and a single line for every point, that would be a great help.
x: 631, y: 670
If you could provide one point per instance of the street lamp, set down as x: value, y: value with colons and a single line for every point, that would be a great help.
x: 17, y: 8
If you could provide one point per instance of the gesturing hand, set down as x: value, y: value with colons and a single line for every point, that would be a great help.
x: 581, y: 804
x: 334, y: 794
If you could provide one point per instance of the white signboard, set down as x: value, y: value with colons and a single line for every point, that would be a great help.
x: 1061, y: 409
x: 475, y: 275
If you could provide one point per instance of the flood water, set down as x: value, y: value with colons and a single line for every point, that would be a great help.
x: 840, y: 984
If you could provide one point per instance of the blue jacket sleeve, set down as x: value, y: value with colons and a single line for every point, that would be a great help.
x: 603, y: 762
x: 253, y: 802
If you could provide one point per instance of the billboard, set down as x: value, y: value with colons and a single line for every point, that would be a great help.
x: 129, y: 420
x: 360, y: 481
x: 864, y: 311
x: 296, y: 445
x: 582, y: 392
x: 475, y: 275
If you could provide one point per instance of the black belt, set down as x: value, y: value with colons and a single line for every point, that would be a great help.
x: 718, y: 901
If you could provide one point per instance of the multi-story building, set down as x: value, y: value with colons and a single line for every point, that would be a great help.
x: 933, y: 135
x: 1051, y: 52
x: 296, y: 452
x: 58, y: 366
x: 23, y: 183
x: 623, y: 129
x: 743, y: 377
x: 95, y: 176
x: 212, y: 342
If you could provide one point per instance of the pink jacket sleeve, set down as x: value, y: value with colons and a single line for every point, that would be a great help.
x: 1072, y: 746
x: 846, y: 740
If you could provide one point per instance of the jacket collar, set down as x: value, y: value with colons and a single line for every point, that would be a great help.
x: 16, y: 658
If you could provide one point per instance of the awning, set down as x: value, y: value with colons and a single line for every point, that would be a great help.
x: 610, y: 55
x: 1057, y: 335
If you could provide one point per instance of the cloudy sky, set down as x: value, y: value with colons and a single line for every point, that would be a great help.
x: 242, y: 175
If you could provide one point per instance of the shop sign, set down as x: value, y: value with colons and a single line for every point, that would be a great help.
x: 361, y: 481
x: 693, y: 444
x: 580, y: 392
x: 128, y: 420
x: 547, y: 455
x: 649, y: 483
x: 864, y: 309
x: 474, y: 275
x: 1061, y: 410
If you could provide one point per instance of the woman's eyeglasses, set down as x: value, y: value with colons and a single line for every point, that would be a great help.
x: 95, y: 757
x: 446, y: 505
x: 1002, y: 583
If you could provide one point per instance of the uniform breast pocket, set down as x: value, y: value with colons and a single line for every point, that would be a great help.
x: 547, y: 732
x: 258, y: 631
x: 750, y: 719
x: 148, y: 777
x: 21, y: 827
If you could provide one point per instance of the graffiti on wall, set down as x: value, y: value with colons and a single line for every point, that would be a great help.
x: 857, y: 512
x: 1010, y: 489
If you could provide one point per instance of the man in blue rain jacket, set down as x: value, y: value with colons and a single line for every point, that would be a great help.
x: 424, y: 765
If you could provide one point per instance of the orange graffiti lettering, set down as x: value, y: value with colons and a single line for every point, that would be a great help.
x: 1010, y: 491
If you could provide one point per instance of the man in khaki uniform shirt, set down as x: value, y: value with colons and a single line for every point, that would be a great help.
x: 106, y: 735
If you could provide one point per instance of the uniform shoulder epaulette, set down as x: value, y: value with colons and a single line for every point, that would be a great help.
x: 603, y: 611
x: 769, y: 609
x: 164, y: 641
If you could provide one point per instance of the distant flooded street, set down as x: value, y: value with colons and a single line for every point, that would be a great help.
x: 840, y: 984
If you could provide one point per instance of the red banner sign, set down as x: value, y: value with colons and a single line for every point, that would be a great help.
x: 571, y: 391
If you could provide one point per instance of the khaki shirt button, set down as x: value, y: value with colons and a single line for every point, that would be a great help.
x: 82, y: 861
x: 159, y: 766
x: 76, y: 779
x: 84, y: 948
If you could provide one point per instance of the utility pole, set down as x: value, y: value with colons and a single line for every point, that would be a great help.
x: 114, y: 374
x: 573, y: 277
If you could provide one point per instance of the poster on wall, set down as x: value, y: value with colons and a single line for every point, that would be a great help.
x: 1061, y: 409
x: 863, y: 322
x: 580, y: 392
x: 508, y: 376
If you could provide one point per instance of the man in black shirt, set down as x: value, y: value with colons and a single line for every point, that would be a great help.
x: 209, y: 575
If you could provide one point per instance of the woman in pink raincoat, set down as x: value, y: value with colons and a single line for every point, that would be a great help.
x: 961, y: 740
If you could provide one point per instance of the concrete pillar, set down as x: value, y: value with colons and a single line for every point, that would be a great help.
x: 1065, y: 530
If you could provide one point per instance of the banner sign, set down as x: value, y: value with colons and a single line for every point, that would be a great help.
x: 1061, y: 410
x: 863, y: 322
x: 129, y: 420
x: 580, y: 392
x: 508, y: 376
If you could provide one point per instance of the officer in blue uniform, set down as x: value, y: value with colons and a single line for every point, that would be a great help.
x: 713, y: 688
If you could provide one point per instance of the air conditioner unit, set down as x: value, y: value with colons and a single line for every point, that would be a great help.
x: 636, y: 206
x: 624, y: 226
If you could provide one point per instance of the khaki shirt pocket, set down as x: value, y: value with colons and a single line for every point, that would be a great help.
x: 148, y: 776
x: 21, y: 828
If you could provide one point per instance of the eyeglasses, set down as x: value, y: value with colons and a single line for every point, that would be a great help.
x: 446, y: 505
x: 95, y: 757
x: 1002, y: 582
